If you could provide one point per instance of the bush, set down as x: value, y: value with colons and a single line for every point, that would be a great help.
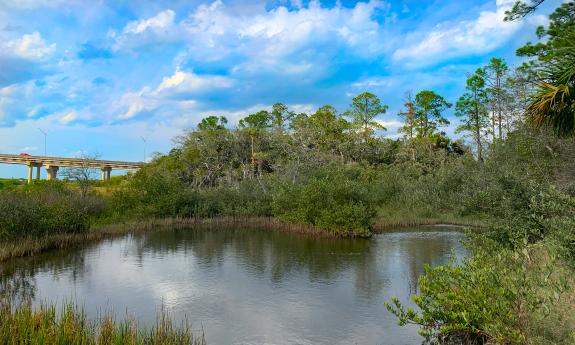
x: 512, y: 297
x: 338, y: 200
x: 45, y: 209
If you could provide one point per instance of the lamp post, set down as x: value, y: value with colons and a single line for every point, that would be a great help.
x: 145, y: 144
x: 45, y: 139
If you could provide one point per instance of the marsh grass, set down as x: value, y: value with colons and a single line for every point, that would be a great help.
x: 46, y: 325
x: 398, y: 219
x: 35, y: 245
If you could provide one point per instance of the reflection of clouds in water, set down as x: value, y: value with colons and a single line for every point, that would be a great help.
x: 250, y: 286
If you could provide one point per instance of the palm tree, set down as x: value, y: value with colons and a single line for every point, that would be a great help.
x: 554, y: 102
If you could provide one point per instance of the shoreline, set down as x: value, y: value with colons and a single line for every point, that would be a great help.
x: 33, y: 246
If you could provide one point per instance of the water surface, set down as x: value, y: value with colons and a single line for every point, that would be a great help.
x: 245, y: 286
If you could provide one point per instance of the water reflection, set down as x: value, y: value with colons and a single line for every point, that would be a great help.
x: 244, y: 286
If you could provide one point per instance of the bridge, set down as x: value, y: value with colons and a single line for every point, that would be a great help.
x: 53, y: 164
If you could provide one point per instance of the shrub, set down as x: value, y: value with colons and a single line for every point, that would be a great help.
x: 336, y: 200
x: 47, y: 209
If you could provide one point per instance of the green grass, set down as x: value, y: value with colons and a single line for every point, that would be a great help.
x: 48, y: 326
x: 389, y: 219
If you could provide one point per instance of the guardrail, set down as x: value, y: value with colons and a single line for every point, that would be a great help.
x: 52, y: 164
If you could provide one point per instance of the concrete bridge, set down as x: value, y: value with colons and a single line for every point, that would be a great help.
x: 52, y: 164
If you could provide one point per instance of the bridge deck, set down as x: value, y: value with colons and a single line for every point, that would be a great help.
x: 69, y: 162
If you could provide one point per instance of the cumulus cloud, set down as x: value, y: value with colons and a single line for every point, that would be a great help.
x: 23, y: 58
x: 30, y: 46
x: 176, y: 90
x: 213, y: 32
x: 159, y: 29
x: 448, y: 40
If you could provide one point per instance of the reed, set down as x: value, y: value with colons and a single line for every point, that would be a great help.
x: 46, y: 325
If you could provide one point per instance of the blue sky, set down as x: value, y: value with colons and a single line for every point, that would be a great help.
x: 98, y: 75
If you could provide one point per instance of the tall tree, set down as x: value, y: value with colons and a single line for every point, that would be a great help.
x: 472, y: 110
x: 429, y: 108
x: 256, y: 122
x: 280, y: 115
x: 365, y: 108
x: 494, y: 75
x: 213, y: 123
x: 552, y: 39
x: 408, y: 116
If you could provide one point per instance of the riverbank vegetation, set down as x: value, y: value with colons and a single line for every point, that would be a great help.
x: 46, y: 325
x: 516, y: 286
x: 336, y: 174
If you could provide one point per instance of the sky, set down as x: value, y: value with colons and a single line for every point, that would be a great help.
x: 98, y: 76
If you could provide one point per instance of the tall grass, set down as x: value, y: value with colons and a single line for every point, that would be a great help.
x: 48, y: 326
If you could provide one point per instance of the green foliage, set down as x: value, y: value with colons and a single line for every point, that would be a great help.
x: 498, y: 295
x: 45, y: 325
x: 365, y: 108
x: 213, y: 123
x: 42, y: 209
x: 10, y: 183
x: 471, y: 108
x: 521, y: 9
x: 338, y: 200
x: 429, y: 107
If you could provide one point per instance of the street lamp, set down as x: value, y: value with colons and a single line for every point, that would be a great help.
x: 45, y: 136
x: 145, y: 144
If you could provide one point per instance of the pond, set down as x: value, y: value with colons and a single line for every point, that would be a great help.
x: 245, y: 286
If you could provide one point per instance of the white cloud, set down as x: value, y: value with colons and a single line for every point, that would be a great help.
x: 448, y: 40
x: 68, y: 117
x: 159, y: 29
x: 161, y: 21
x: 133, y: 103
x: 186, y: 82
x: 29, y: 46
x: 176, y: 91
x: 264, y: 37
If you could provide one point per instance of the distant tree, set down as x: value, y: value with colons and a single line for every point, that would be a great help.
x: 326, y: 130
x: 471, y: 108
x: 256, y: 122
x: 84, y: 175
x: 429, y: 108
x: 365, y: 108
x: 280, y: 115
x: 409, y: 117
x: 213, y: 123
x: 494, y: 75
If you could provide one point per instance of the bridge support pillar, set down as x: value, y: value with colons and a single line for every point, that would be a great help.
x: 52, y: 172
x: 106, y: 173
x: 30, y: 168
